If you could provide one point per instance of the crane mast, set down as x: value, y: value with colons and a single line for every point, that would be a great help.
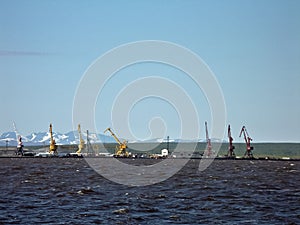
x: 231, y: 148
x: 248, y: 140
x: 208, y: 151
x: 121, y: 147
x: 53, y: 146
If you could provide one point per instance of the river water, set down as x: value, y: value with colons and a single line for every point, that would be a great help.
x: 69, y: 191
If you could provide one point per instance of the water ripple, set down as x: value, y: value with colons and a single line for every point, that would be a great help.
x: 68, y: 191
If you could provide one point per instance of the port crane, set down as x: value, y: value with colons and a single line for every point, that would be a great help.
x: 88, y: 144
x: 19, y: 140
x: 208, y: 152
x: 81, y: 145
x: 81, y: 141
x: 121, y: 147
x: 248, y: 139
x: 53, y: 146
x: 231, y: 148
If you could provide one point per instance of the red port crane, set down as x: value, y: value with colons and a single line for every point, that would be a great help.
x: 231, y: 148
x: 248, y: 139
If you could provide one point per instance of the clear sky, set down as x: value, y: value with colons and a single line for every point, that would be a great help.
x: 252, y: 47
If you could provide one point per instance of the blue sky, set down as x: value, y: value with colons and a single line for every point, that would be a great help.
x: 252, y: 47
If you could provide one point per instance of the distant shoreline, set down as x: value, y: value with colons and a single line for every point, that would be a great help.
x: 286, y: 159
x: 261, y: 150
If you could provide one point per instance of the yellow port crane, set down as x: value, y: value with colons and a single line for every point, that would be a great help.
x: 81, y: 141
x: 121, y: 147
x: 80, y: 146
x: 53, y: 146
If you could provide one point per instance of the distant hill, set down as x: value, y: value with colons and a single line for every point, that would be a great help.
x: 43, y: 138
x: 71, y: 137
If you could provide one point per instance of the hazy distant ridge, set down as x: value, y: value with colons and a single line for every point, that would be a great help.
x: 43, y: 138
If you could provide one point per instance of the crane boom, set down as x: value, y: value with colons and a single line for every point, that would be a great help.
x: 53, y: 146
x: 208, y: 152
x: 89, y: 146
x: 206, y: 131
x: 81, y: 141
x: 244, y: 133
x: 19, y: 141
x: 51, y: 134
x: 247, y: 133
x: 230, y: 147
x: 15, y: 129
x: 114, y: 136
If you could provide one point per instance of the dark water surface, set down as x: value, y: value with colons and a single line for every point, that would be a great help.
x: 68, y: 191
